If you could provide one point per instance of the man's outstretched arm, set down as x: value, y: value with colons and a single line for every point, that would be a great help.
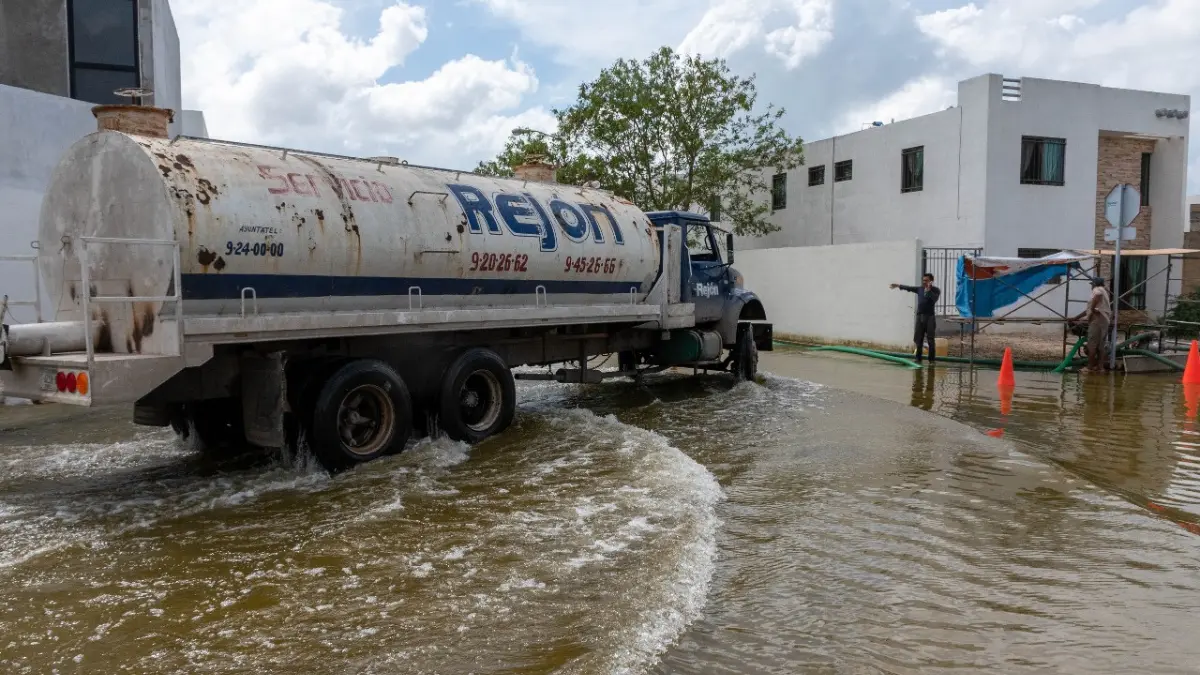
x: 910, y: 289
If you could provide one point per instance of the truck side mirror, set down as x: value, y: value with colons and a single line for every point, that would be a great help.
x: 729, y: 246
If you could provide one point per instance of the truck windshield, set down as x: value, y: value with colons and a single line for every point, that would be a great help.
x: 700, y: 244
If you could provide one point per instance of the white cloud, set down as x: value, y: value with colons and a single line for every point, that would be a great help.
x: 285, y: 72
x: 921, y: 96
x: 1153, y: 46
x: 730, y: 26
x: 593, y: 34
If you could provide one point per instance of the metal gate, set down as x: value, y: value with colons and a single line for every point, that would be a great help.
x: 942, y: 263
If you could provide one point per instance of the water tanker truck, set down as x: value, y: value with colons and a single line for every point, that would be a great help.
x: 247, y: 294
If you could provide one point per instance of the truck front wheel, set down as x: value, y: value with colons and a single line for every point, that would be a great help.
x: 363, y: 412
x: 478, y: 397
x: 745, y: 354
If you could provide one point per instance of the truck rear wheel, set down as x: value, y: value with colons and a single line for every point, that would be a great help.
x: 363, y: 412
x: 478, y: 397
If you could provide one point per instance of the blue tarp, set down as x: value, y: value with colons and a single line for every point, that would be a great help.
x: 1001, y: 291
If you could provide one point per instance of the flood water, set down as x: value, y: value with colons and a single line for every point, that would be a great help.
x: 688, y: 526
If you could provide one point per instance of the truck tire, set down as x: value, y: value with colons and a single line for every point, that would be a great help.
x: 217, y: 423
x: 363, y: 412
x: 745, y: 355
x: 478, y: 396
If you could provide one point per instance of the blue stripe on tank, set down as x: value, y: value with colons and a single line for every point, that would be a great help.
x: 229, y: 286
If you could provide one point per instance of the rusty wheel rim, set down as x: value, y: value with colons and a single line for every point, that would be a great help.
x: 480, y: 400
x: 365, y: 420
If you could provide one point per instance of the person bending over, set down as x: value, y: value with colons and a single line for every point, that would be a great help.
x: 927, y: 299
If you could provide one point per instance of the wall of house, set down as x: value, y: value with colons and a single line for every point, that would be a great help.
x: 192, y: 124
x: 160, y: 59
x: 33, y: 45
x: 837, y: 294
x: 870, y: 207
x: 1047, y: 216
x: 35, y: 130
x: 1191, y: 262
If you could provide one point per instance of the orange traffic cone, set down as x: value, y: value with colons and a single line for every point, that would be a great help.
x: 1006, y: 397
x: 1191, y: 374
x: 1191, y: 399
x: 1006, y: 370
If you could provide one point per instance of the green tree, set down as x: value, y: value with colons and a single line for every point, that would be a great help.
x: 670, y: 132
x: 525, y: 145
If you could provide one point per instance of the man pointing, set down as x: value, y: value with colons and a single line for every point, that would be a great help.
x: 927, y: 299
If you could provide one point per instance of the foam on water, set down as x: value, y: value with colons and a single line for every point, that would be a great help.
x: 385, y: 564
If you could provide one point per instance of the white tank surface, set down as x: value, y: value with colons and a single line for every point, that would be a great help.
x: 313, y: 232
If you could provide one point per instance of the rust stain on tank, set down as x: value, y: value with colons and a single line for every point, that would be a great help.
x: 208, y: 187
x: 149, y: 319
x: 143, y: 327
x: 334, y: 184
x: 219, y: 264
x: 166, y: 170
x: 185, y: 160
x: 206, y: 257
x: 104, y: 342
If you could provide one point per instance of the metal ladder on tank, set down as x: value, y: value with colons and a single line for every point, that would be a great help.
x: 89, y: 299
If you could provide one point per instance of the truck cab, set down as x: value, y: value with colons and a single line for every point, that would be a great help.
x: 711, y: 283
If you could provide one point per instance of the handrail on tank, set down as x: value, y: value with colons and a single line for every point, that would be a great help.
x: 85, y: 279
x: 254, y: 297
x: 311, y: 153
x: 420, y: 297
x: 36, y: 303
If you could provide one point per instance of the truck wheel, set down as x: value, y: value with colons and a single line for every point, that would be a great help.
x: 217, y: 423
x: 363, y: 412
x: 745, y: 355
x: 478, y: 397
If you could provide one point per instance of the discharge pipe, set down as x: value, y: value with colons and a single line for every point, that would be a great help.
x: 36, y: 339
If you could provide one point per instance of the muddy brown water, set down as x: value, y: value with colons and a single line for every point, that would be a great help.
x: 865, y: 524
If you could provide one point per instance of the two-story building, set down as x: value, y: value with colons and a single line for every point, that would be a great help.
x: 59, y: 58
x: 1019, y: 167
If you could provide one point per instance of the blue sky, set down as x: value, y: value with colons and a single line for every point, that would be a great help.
x: 443, y: 81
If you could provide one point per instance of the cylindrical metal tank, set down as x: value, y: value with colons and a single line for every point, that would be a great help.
x: 296, y: 232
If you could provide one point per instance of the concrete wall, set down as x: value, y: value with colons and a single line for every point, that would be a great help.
x: 837, y: 293
x: 35, y: 130
x: 33, y: 45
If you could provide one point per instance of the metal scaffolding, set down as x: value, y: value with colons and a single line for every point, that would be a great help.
x: 1077, y: 271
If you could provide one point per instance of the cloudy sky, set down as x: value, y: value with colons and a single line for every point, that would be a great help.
x: 444, y: 81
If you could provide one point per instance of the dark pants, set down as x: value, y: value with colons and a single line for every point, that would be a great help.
x: 926, y: 332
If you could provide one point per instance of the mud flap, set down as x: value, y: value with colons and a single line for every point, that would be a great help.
x: 264, y: 391
x: 764, y: 336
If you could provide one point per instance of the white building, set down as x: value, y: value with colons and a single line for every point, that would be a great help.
x: 1018, y: 167
x: 58, y: 58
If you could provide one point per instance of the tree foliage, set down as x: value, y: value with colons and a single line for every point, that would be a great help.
x: 670, y: 132
x: 524, y: 146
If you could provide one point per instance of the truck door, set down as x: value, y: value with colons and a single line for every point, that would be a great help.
x: 709, y: 284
